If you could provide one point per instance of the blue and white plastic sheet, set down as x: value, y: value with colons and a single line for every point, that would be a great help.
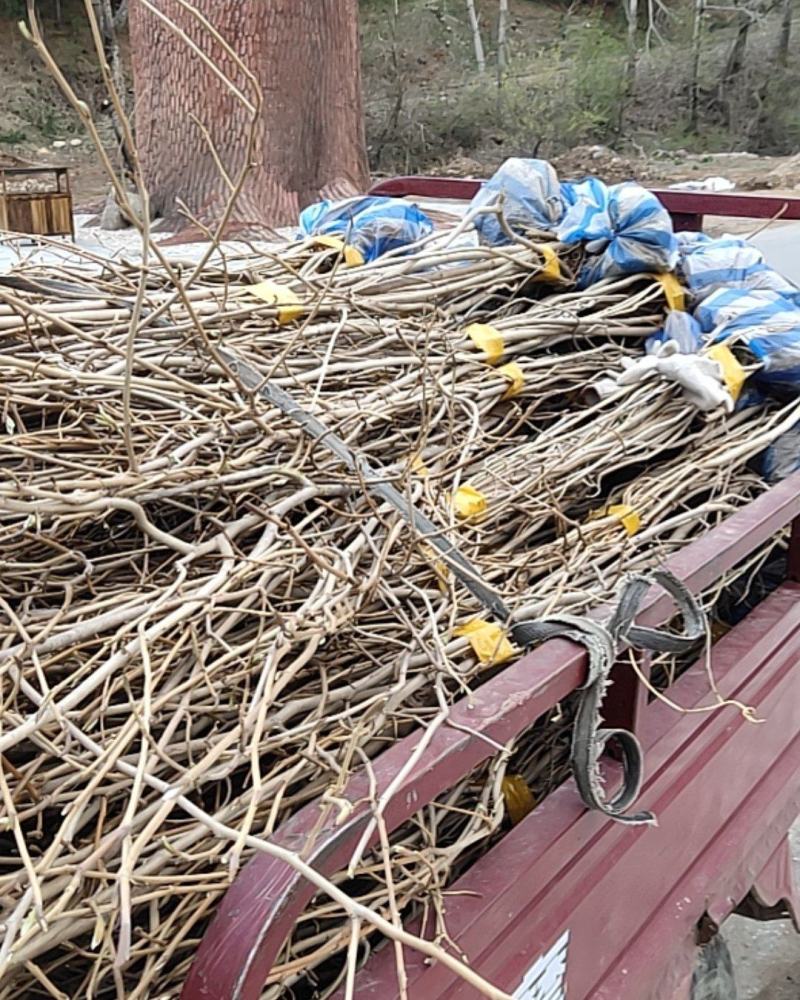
x: 374, y: 226
x: 530, y: 196
x: 642, y: 239
x: 586, y: 217
x: 767, y: 323
x: 626, y: 225
x: 708, y: 265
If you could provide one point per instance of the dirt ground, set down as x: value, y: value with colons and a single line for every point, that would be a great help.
x: 766, y: 957
x: 774, y: 175
x: 746, y: 171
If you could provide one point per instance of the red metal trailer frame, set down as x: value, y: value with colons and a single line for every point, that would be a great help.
x: 687, y: 208
x: 569, y: 903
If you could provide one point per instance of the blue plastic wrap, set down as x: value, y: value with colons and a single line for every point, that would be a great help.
x: 681, y: 327
x: 586, y: 217
x: 643, y: 239
x: 531, y: 198
x: 767, y: 322
x: 626, y: 225
x: 374, y: 226
x: 782, y: 458
x: 688, y: 241
x: 728, y: 262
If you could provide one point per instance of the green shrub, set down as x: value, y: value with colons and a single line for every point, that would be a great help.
x: 12, y: 137
x: 551, y: 97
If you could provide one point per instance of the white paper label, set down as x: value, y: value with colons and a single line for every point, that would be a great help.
x: 547, y: 978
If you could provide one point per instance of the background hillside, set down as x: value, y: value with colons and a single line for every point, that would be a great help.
x: 662, y: 99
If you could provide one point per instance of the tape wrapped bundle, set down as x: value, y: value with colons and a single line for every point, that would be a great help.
x: 624, y: 227
x: 526, y: 197
x: 368, y: 227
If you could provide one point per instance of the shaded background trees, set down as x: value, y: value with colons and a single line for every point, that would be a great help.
x: 451, y: 85
x: 693, y: 74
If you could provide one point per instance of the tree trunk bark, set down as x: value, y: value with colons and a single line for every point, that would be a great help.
x: 632, y: 16
x: 477, y: 41
x: 111, y: 44
x: 310, y: 137
x: 782, y: 53
x: 738, y: 50
x: 121, y: 16
x: 694, y: 91
x: 502, y: 37
x: 734, y: 64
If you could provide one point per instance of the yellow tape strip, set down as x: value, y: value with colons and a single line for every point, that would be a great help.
x: 674, y: 292
x: 733, y: 374
x: 625, y: 514
x: 440, y: 569
x: 352, y: 255
x: 279, y: 295
x: 516, y: 377
x: 488, y: 641
x: 630, y: 520
x: 469, y: 502
x: 442, y: 573
x: 487, y: 339
x: 418, y: 466
x: 551, y: 270
x: 518, y: 797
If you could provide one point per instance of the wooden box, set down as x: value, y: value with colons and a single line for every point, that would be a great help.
x: 27, y: 206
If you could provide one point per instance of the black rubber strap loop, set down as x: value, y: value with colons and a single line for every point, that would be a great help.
x: 602, y: 642
x: 375, y: 482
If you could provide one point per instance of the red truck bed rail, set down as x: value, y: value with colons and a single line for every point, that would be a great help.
x: 687, y: 208
x: 259, y: 910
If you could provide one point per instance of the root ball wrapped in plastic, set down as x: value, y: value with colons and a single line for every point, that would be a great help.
x: 527, y: 193
x: 625, y: 225
x: 766, y: 324
x: 729, y: 262
x: 367, y: 227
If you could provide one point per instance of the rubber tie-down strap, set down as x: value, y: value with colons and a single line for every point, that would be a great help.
x: 601, y: 641
x: 374, y: 480
x: 589, y: 738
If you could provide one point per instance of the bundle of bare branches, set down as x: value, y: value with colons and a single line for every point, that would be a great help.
x: 207, y: 620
